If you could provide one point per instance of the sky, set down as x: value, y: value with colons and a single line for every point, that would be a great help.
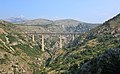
x: 92, y: 11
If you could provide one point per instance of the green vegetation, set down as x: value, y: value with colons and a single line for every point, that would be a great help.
x: 96, y: 43
x: 95, y: 52
x: 11, y: 38
x: 2, y: 36
x: 29, y: 51
x: 108, y: 63
x: 4, y: 59
x: 71, y: 62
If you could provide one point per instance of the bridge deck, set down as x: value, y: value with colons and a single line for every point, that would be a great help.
x: 68, y: 33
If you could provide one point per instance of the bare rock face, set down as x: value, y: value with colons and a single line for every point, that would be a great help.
x: 2, y: 31
x: 10, y: 64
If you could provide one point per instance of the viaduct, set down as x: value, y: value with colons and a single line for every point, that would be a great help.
x: 52, y: 33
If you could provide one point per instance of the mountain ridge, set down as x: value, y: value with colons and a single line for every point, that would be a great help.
x: 15, y: 19
x: 24, y: 19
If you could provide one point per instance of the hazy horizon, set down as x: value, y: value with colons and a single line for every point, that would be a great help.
x: 91, y: 11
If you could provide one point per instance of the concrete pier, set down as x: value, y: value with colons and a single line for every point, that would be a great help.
x: 61, y: 41
x: 33, y: 38
x: 43, y: 46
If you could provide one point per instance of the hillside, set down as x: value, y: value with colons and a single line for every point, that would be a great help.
x: 18, y: 54
x: 84, y: 55
x: 108, y: 62
x: 88, y: 48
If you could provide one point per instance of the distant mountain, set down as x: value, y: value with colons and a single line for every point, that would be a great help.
x: 37, y: 22
x: 16, y: 19
x: 64, y: 25
x: 67, y: 22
